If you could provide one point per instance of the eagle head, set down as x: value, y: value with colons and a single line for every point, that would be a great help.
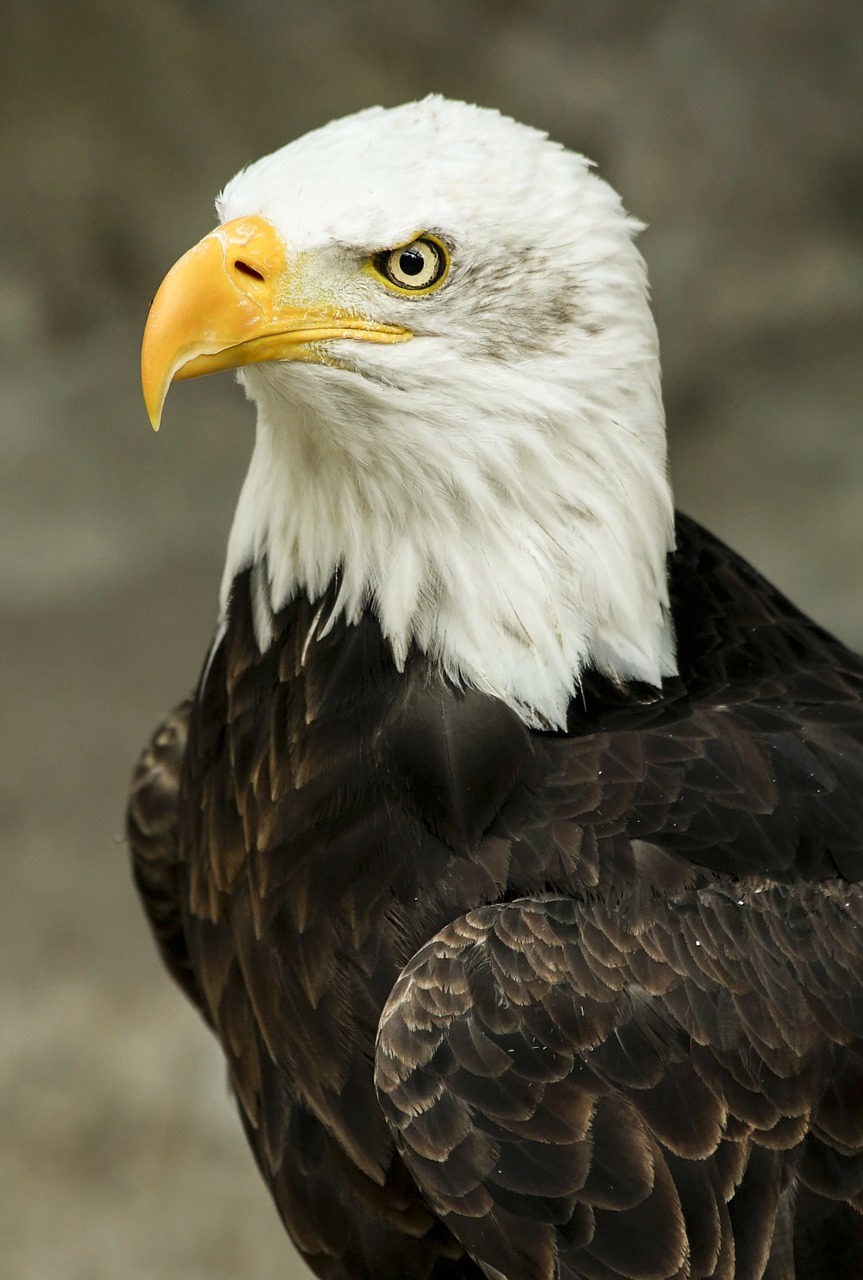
x: 443, y: 321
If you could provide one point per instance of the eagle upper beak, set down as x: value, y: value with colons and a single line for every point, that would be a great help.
x: 232, y: 300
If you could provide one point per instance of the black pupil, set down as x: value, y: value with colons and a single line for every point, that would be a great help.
x: 411, y: 262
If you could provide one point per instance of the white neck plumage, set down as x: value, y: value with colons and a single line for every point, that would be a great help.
x: 512, y: 521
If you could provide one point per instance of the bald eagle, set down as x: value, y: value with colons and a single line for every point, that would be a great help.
x: 511, y: 840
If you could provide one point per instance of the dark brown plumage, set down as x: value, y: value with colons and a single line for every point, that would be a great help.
x: 619, y: 968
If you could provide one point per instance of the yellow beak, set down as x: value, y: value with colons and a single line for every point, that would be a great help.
x: 233, y: 300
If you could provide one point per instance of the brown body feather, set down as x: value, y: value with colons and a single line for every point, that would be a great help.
x: 627, y: 1038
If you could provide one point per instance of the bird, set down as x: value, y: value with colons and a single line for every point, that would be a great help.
x: 511, y: 841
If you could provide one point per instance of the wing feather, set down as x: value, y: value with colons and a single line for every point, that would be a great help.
x: 518, y: 1097
x: 153, y: 833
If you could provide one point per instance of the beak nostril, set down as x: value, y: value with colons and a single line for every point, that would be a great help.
x: 247, y: 270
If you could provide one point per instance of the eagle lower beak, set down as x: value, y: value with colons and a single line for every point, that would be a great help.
x: 234, y: 300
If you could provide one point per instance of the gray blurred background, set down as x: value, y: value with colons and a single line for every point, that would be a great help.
x: 734, y: 129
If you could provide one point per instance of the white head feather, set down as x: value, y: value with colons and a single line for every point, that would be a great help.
x: 494, y: 489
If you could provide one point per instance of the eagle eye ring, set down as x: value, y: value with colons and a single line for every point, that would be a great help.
x: 417, y: 267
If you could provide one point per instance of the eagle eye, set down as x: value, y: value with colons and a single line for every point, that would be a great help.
x: 417, y: 267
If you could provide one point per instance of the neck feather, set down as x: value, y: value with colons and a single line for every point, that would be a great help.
x: 515, y: 530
